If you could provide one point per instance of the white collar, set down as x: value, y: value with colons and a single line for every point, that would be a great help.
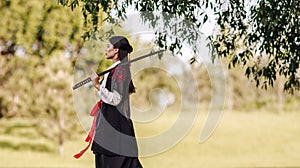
x: 106, y: 75
x: 114, y: 64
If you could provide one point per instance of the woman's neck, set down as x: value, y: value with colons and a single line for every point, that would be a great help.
x: 115, y: 60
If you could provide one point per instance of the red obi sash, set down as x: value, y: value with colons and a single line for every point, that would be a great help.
x: 89, y: 138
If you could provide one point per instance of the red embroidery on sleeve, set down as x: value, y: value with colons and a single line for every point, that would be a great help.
x: 119, y: 75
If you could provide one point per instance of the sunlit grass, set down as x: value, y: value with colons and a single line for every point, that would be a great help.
x: 240, y: 140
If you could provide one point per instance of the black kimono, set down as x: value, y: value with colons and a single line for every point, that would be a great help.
x: 114, y: 142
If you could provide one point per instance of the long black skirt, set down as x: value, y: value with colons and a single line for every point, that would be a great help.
x: 107, y: 161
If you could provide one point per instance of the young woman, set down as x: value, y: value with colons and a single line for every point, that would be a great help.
x: 114, y: 143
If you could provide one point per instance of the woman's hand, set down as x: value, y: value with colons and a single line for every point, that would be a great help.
x: 95, y: 80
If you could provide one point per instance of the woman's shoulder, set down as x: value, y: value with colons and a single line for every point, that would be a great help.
x: 120, y: 73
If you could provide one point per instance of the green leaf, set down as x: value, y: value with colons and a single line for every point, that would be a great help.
x: 205, y: 18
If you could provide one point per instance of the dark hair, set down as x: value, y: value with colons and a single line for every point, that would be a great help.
x: 125, y: 48
x: 123, y: 45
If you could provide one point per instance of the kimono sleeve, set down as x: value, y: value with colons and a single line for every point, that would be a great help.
x: 121, y: 80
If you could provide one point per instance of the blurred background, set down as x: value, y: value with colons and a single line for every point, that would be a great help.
x: 40, y: 126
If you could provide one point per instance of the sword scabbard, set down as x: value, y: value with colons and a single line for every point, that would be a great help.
x: 87, y: 80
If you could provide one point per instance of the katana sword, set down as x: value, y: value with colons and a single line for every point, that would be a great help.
x: 87, y: 80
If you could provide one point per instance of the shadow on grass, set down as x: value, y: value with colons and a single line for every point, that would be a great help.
x: 25, y: 146
x: 10, y: 129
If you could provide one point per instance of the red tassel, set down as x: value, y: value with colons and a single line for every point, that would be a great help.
x: 78, y: 155
x: 89, y: 138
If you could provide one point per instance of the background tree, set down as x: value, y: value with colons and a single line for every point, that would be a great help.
x: 39, y: 41
x: 267, y: 29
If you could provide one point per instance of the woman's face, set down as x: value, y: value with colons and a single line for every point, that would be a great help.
x: 111, y: 52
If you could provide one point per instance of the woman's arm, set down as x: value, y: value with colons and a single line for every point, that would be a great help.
x: 112, y: 98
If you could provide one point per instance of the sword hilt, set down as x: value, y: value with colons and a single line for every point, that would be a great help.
x: 83, y: 82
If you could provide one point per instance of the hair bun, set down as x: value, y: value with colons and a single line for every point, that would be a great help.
x: 129, y: 48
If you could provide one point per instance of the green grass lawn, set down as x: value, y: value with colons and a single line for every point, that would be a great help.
x: 253, y: 139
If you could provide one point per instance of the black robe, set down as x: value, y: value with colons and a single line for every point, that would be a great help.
x: 114, y: 136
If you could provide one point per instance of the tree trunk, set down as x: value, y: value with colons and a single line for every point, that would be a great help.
x: 280, y: 95
x: 61, y: 133
x: 230, y: 94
